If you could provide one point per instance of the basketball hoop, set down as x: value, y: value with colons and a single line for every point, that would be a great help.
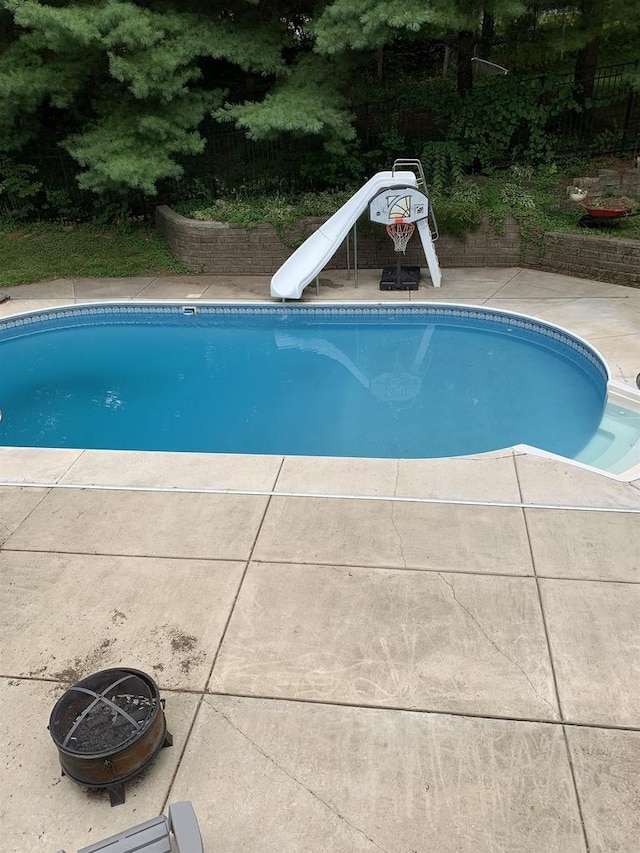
x: 400, y: 232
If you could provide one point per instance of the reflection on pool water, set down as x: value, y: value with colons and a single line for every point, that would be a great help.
x: 395, y: 382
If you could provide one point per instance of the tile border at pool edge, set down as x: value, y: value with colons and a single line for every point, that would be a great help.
x: 525, y: 322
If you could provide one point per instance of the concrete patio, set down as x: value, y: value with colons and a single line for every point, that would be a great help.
x: 434, y: 656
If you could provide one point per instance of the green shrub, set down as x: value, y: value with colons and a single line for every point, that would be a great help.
x: 459, y: 209
x: 276, y: 210
x: 18, y: 189
x: 444, y: 163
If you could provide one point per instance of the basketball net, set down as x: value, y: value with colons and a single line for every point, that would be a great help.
x: 400, y: 232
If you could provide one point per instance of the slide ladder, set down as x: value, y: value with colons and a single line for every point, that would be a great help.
x: 427, y: 228
x: 422, y: 186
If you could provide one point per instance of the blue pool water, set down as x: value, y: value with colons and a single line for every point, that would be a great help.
x: 377, y: 382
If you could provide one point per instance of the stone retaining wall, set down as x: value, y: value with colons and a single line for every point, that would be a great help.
x: 587, y: 256
x: 216, y: 247
x: 612, y: 182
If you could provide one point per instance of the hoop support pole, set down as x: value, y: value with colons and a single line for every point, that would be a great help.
x: 355, y: 253
x: 347, y: 243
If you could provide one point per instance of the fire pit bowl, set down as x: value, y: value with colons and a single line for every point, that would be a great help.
x: 108, y: 728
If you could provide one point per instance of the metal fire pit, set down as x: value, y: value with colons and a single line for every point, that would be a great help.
x: 108, y: 728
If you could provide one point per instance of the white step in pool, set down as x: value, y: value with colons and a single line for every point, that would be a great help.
x: 615, y: 447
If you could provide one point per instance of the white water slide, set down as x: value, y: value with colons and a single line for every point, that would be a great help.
x: 314, y: 254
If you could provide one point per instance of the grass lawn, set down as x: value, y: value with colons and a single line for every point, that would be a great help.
x: 31, y: 253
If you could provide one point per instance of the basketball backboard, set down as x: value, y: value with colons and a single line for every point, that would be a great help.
x: 398, y: 204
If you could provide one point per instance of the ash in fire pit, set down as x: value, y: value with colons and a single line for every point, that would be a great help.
x: 103, y: 726
x: 108, y: 727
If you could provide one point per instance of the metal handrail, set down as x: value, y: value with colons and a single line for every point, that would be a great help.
x: 416, y: 165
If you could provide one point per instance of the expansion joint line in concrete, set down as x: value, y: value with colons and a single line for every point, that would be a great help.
x: 556, y: 685
x: 217, y: 653
x: 336, y: 703
x: 269, y: 493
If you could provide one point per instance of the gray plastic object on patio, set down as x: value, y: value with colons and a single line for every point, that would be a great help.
x: 154, y: 836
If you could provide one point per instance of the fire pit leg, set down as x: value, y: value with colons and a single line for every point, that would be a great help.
x: 168, y: 740
x: 116, y: 794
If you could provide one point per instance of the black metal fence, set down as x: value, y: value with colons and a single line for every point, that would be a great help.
x: 609, y: 123
x: 233, y: 164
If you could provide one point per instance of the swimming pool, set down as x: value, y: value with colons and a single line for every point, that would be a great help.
x: 371, y: 381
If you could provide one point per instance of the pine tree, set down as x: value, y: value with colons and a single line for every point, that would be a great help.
x: 124, y: 81
x: 362, y: 24
x: 124, y: 86
x: 594, y: 21
x: 307, y: 100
